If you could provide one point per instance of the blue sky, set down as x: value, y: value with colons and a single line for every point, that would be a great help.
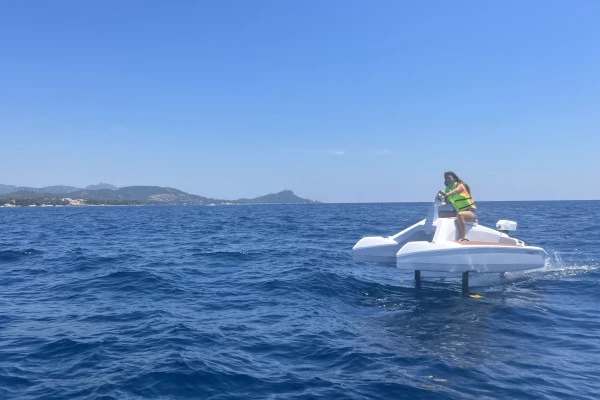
x: 340, y: 101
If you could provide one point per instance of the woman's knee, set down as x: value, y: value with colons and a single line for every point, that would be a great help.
x: 466, y: 216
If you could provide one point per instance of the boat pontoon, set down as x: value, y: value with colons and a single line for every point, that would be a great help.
x: 431, y: 245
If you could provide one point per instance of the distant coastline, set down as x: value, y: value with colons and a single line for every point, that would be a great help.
x: 108, y: 195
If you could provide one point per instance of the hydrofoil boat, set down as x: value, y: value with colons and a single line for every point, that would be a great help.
x: 431, y: 245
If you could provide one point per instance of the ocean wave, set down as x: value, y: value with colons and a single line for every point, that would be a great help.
x: 18, y: 255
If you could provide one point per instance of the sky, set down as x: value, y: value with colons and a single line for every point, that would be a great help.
x: 341, y: 101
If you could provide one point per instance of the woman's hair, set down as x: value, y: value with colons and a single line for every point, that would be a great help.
x: 457, y: 180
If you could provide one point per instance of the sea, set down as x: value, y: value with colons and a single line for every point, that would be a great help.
x: 266, y: 302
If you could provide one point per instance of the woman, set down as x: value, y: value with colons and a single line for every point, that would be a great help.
x: 458, y: 194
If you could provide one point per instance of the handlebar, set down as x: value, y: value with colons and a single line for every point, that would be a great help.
x: 439, y: 198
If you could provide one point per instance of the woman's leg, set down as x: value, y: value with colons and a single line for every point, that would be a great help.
x: 461, y: 221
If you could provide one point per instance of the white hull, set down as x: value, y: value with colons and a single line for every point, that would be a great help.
x: 455, y: 257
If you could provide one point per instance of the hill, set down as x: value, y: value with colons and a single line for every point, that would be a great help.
x: 5, y: 189
x: 101, y: 186
x: 284, y: 197
x: 130, y: 195
x: 143, y: 195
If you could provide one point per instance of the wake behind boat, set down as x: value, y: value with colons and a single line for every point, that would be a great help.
x: 431, y: 245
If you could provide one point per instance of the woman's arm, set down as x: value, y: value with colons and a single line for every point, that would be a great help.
x: 459, y: 188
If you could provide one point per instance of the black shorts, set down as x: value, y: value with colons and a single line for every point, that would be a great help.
x: 472, y: 210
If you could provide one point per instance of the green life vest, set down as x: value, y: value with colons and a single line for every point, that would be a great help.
x: 460, y: 201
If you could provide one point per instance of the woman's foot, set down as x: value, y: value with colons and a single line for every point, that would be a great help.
x: 463, y: 240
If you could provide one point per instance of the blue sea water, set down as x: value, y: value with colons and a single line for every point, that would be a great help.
x: 266, y: 302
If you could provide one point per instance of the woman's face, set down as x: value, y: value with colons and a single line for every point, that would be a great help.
x: 449, y: 180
